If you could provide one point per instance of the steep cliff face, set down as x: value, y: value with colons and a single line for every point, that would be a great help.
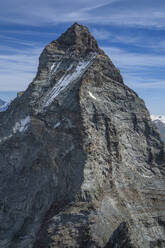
x: 81, y: 163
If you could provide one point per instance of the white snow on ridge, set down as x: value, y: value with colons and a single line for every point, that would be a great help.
x: 22, y: 125
x: 91, y: 95
x: 158, y: 118
x: 57, y: 124
x: 19, y: 126
x: 4, y: 107
x: 54, y: 67
x: 66, y: 79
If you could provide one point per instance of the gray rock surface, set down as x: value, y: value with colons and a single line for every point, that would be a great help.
x: 81, y: 163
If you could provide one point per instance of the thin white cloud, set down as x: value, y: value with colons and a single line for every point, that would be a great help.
x: 35, y: 12
x: 101, y: 34
x: 18, y: 67
x: 136, y: 39
x: 126, y: 59
x: 140, y: 71
x: 143, y: 13
x: 22, y: 65
x: 139, y: 83
x: 105, y: 34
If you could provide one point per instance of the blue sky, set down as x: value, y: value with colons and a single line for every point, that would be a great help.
x: 131, y: 32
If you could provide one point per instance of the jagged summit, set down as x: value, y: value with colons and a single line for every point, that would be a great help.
x: 75, y: 43
x: 81, y: 163
x: 78, y: 37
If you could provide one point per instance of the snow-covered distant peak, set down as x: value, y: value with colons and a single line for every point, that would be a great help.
x: 158, y: 118
x: 4, y: 107
x: 1, y: 102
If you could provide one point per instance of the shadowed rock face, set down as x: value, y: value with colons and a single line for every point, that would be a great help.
x: 81, y: 163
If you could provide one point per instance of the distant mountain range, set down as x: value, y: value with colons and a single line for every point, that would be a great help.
x: 1, y: 102
x: 159, y: 120
x: 3, y: 105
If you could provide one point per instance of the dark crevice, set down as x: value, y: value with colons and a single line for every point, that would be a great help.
x: 120, y: 238
x: 107, y: 135
x: 95, y: 117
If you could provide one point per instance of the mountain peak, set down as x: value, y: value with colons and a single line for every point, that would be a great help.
x: 81, y: 163
x: 75, y: 42
x: 78, y: 37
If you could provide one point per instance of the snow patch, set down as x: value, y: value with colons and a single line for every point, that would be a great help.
x: 5, y: 138
x: 57, y: 124
x: 91, y: 95
x: 22, y: 125
x: 147, y: 176
x: 19, y: 126
x: 158, y: 118
x: 54, y: 67
x: 67, y: 78
x: 4, y: 107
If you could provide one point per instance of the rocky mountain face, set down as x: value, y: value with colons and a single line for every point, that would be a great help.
x: 159, y: 121
x: 81, y: 163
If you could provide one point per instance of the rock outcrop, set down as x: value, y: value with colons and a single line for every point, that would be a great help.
x: 81, y: 163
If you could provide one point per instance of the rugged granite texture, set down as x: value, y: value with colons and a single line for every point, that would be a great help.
x: 81, y: 162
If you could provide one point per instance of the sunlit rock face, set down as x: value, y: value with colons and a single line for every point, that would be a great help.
x: 82, y: 164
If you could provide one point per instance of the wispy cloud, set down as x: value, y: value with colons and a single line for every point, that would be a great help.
x: 18, y: 67
x: 114, y: 37
x: 43, y: 12
x: 126, y: 59
x: 143, y: 13
x: 140, y: 70
x: 133, y: 38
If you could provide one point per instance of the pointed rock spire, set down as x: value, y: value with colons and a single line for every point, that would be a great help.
x: 75, y: 42
x: 78, y: 37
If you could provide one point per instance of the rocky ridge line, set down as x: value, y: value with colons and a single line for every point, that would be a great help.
x: 81, y: 162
